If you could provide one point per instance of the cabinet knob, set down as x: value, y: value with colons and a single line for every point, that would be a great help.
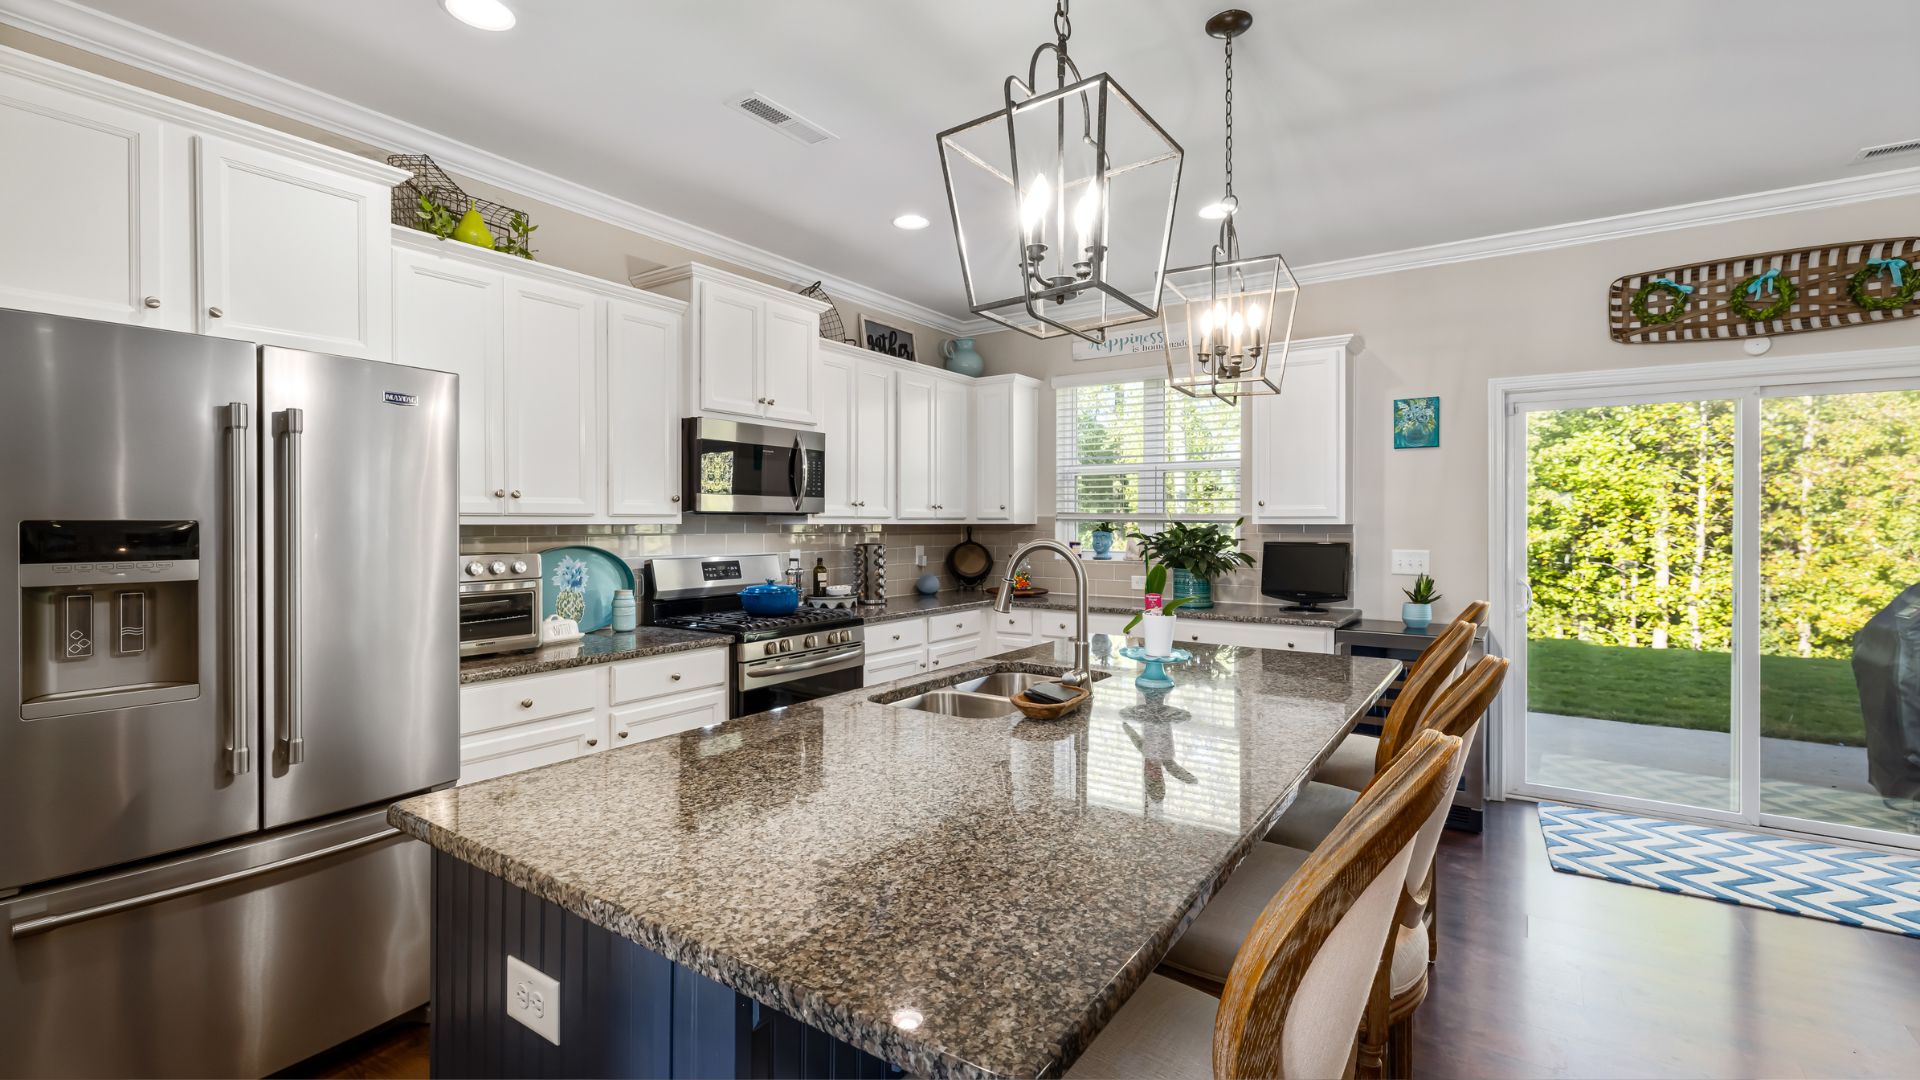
x: 760, y: 400
x: 624, y: 734
x: 770, y: 401
x: 151, y: 301
x: 593, y: 742
x: 675, y: 677
x: 1261, y: 502
x: 526, y: 703
x: 896, y: 637
x: 1289, y: 644
x: 499, y: 493
x: 676, y: 498
x: 215, y: 312
x: 1003, y: 506
x: 516, y: 493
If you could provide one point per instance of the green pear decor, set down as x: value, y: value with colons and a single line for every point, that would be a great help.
x: 473, y: 229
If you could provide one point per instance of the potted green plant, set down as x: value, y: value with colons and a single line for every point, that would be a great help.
x: 1417, y: 612
x: 1156, y: 612
x: 1103, y: 539
x: 1197, y: 554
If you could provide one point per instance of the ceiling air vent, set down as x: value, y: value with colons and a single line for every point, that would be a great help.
x: 1884, y: 150
x: 759, y: 107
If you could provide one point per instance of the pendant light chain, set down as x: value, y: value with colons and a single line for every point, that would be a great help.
x: 1229, y: 233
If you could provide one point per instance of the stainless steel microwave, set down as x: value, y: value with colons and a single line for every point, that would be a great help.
x: 735, y: 468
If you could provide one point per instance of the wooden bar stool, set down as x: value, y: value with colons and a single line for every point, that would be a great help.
x: 1294, y: 998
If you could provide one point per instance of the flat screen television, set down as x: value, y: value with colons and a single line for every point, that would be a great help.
x: 1305, y: 572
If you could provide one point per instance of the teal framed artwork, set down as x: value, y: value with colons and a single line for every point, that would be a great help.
x: 1416, y: 423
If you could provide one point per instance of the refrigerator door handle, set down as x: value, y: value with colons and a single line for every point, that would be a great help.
x: 293, y: 423
x: 239, y: 756
x: 44, y: 923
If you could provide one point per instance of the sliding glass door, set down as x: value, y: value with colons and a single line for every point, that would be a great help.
x: 1716, y: 597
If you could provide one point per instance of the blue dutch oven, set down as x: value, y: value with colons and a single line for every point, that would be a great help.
x: 772, y: 598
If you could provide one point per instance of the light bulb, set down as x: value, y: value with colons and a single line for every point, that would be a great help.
x: 1086, y: 213
x: 1253, y: 320
x: 1235, y: 326
x: 1033, y: 208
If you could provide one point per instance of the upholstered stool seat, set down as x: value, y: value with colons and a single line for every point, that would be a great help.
x: 1314, y: 813
x: 1208, y: 947
x: 1351, y: 763
x: 1163, y: 1032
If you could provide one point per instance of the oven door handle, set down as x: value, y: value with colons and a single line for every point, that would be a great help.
x: 808, y: 665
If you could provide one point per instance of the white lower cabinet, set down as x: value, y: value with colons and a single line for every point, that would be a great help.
x: 1311, y: 639
x: 514, y: 724
x: 946, y: 654
x: 886, y: 667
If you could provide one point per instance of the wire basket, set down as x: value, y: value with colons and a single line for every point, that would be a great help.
x: 831, y: 327
x: 430, y: 180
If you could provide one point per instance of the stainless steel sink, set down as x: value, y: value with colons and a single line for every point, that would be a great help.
x: 959, y: 703
x: 1004, y: 683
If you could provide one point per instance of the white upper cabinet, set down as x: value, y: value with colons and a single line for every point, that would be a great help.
x: 447, y: 315
x: 128, y: 206
x: 837, y: 426
x: 642, y: 414
x: 856, y: 406
x: 915, y: 417
x: 285, y: 252
x: 1006, y: 415
x: 81, y: 186
x: 554, y: 448
x: 1299, y: 460
x: 952, y: 422
x: 754, y: 351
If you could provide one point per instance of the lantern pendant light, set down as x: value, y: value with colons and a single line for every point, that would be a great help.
x: 1238, y: 309
x: 1062, y: 202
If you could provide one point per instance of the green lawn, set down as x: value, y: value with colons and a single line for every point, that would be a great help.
x: 1812, y: 700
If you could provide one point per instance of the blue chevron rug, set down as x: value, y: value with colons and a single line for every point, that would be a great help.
x: 1845, y: 885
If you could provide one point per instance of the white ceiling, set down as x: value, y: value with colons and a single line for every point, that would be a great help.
x: 1362, y: 126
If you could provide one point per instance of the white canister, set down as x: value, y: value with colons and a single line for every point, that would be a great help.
x: 1157, y: 629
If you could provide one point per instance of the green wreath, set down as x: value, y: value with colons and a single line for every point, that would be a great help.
x: 1682, y: 295
x: 1899, y: 297
x: 1787, y: 291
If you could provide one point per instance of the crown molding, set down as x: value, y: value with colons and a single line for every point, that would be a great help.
x: 116, y: 39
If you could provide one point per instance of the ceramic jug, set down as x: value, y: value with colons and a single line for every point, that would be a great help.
x: 962, y: 359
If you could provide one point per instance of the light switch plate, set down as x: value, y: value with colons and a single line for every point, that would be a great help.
x: 919, y: 555
x: 533, y: 999
x: 1410, y: 562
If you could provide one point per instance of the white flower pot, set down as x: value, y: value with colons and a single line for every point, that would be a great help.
x: 1157, y: 629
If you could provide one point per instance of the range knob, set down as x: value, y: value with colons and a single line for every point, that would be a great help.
x: 476, y: 568
x: 786, y: 645
x: 498, y: 567
x: 813, y: 641
x: 772, y: 647
x: 519, y: 567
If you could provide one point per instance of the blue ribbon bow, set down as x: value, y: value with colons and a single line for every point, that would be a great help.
x: 1672, y: 284
x: 1892, y: 266
x: 1763, y: 281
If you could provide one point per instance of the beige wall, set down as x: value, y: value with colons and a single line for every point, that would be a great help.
x: 1448, y: 330
x: 566, y: 239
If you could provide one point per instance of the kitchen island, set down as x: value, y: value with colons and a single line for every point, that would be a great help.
x: 846, y: 887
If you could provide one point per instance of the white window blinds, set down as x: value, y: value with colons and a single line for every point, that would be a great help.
x: 1137, y: 453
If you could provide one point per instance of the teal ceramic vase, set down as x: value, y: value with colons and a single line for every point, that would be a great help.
x: 962, y: 359
x: 1102, y: 544
x: 1199, y: 588
x: 1416, y: 616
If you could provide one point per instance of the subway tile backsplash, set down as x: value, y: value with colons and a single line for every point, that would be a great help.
x: 742, y: 534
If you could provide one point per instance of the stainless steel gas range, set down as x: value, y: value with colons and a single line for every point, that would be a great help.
x: 777, y: 660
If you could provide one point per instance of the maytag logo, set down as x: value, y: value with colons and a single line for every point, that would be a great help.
x: 395, y: 397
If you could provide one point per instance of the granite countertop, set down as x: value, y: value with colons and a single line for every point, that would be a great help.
x: 906, y: 607
x: 956, y: 896
x: 599, y: 647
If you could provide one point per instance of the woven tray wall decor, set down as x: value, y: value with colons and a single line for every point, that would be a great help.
x: 1820, y: 273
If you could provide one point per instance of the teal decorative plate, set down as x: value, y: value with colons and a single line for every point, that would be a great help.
x: 578, y: 582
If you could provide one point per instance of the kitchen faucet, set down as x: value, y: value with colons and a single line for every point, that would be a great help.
x: 1082, y: 673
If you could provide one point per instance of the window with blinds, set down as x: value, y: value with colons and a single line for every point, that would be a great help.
x: 1138, y: 454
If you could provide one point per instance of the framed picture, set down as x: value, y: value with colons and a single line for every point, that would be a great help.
x: 1416, y: 423
x: 882, y: 338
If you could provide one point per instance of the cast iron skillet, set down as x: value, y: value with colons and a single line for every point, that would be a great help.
x: 969, y: 562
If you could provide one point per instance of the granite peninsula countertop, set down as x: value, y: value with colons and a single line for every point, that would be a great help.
x: 599, y: 647
x: 906, y: 607
x: 956, y: 896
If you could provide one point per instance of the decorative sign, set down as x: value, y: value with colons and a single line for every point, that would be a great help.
x: 1416, y: 423
x: 1778, y: 292
x: 1145, y: 337
x: 881, y: 338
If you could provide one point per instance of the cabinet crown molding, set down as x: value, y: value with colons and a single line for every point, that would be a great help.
x: 415, y: 240
x: 201, y: 120
x: 672, y: 275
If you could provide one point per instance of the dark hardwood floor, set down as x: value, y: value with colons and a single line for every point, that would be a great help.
x: 1550, y: 975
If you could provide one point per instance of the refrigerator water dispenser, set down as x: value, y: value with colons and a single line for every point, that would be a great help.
x: 109, y: 614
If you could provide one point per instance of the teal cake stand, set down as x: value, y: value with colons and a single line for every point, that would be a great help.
x: 1154, y: 676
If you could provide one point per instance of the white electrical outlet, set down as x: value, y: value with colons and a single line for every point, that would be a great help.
x: 919, y: 555
x: 533, y: 999
x: 1410, y: 562
x: 1139, y: 581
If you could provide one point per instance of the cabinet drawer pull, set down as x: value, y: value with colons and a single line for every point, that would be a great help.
x: 593, y: 742
x: 526, y: 703
x: 1289, y: 644
x: 624, y: 734
x: 675, y: 677
x: 896, y: 637
x: 151, y: 301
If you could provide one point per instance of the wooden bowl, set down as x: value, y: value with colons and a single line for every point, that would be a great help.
x: 1047, y: 710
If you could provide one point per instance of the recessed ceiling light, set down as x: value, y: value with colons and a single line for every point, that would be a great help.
x: 910, y: 221
x: 481, y: 14
x: 1216, y: 211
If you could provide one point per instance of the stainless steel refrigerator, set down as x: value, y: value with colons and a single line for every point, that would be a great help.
x: 232, y: 642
